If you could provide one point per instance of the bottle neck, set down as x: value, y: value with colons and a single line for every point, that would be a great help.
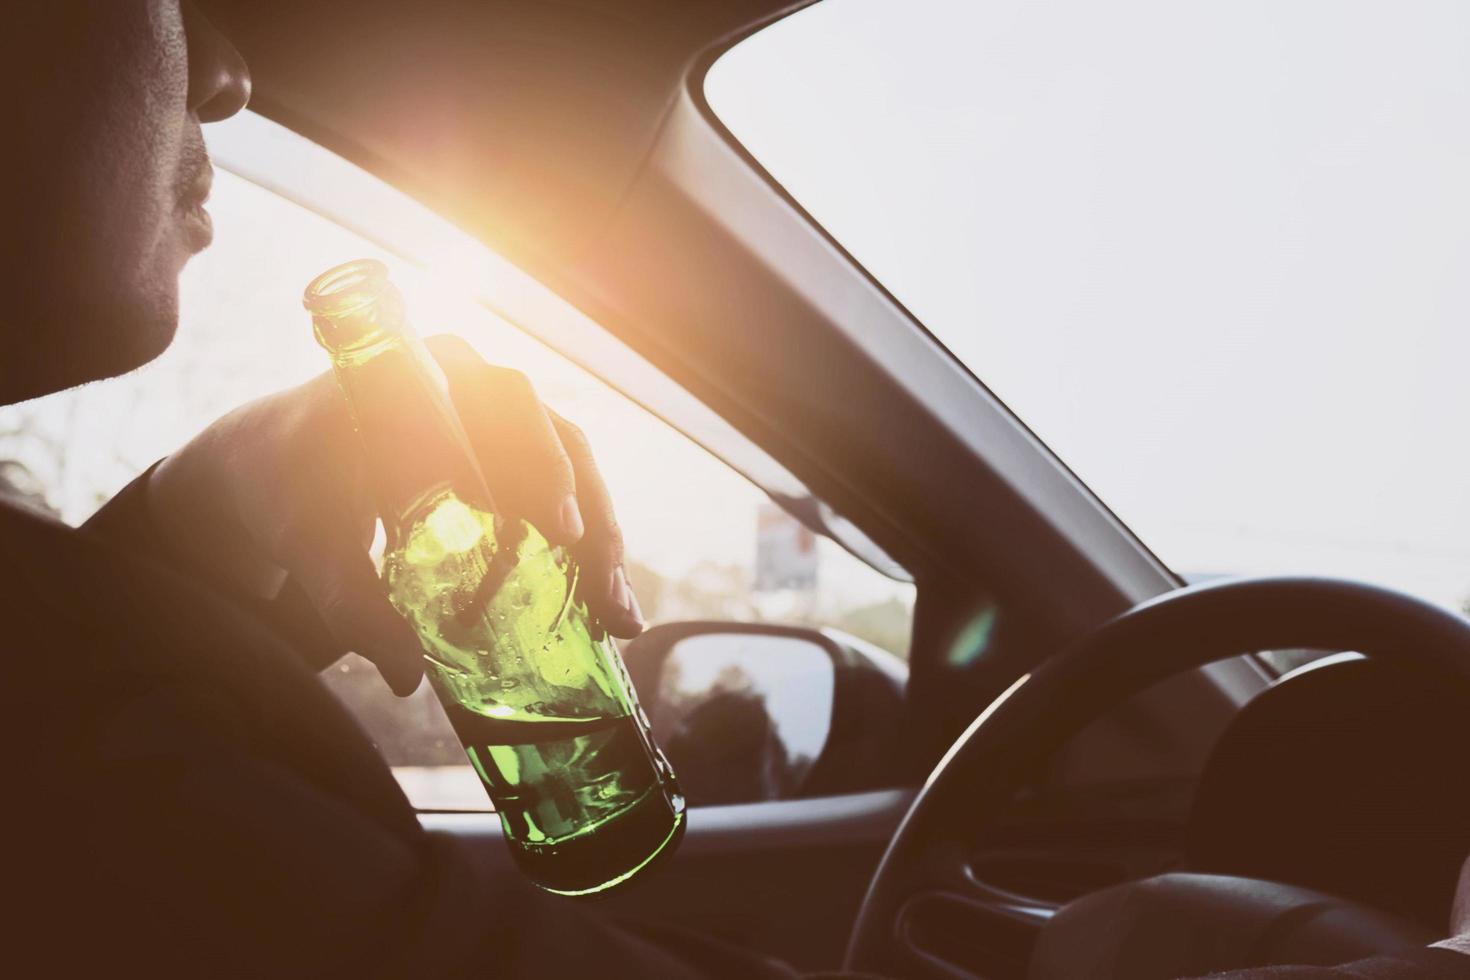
x: 414, y: 442
x: 416, y: 446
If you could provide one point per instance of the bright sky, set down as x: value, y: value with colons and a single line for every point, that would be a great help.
x: 1214, y: 253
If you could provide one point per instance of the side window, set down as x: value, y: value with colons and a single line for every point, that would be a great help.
x: 702, y: 541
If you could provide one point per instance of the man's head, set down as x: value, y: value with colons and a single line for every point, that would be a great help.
x: 103, y: 181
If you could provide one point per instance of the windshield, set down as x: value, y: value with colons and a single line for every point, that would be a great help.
x: 1215, y: 254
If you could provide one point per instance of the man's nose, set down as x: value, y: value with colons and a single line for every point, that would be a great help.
x: 219, y: 81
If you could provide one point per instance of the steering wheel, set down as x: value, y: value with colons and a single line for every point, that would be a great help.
x: 927, y: 858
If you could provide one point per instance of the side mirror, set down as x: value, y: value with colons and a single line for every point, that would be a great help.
x: 751, y: 712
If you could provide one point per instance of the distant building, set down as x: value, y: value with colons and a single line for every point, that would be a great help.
x: 785, y: 552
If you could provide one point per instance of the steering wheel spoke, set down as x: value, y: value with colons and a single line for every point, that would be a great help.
x: 972, y: 934
x: 951, y: 925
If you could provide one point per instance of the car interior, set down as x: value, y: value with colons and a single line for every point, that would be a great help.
x: 1082, y: 759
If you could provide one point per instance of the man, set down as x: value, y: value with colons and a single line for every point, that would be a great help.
x: 186, y: 799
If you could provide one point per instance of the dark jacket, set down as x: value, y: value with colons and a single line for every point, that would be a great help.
x: 193, y: 802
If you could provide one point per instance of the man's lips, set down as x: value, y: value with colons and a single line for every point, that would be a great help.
x: 196, y: 189
x: 197, y: 222
x: 198, y: 227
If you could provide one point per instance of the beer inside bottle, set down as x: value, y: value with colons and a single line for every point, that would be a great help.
x: 534, y: 688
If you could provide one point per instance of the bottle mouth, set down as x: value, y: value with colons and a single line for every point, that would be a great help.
x: 347, y: 288
x: 353, y: 305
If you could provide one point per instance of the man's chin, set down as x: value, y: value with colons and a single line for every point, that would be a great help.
x: 142, y: 346
x: 82, y: 349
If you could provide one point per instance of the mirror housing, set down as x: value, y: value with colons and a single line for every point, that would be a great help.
x: 749, y: 712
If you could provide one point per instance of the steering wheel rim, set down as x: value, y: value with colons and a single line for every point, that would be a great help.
x: 1171, y: 633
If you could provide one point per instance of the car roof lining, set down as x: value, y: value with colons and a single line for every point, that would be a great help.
x: 523, y: 122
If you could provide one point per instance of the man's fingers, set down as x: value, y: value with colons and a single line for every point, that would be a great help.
x: 524, y: 463
x: 344, y: 586
x: 540, y: 467
x: 605, y: 585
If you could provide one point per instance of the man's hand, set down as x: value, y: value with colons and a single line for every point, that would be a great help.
x: 278, y: 488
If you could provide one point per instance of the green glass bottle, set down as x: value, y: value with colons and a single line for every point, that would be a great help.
x: 535, y: 690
